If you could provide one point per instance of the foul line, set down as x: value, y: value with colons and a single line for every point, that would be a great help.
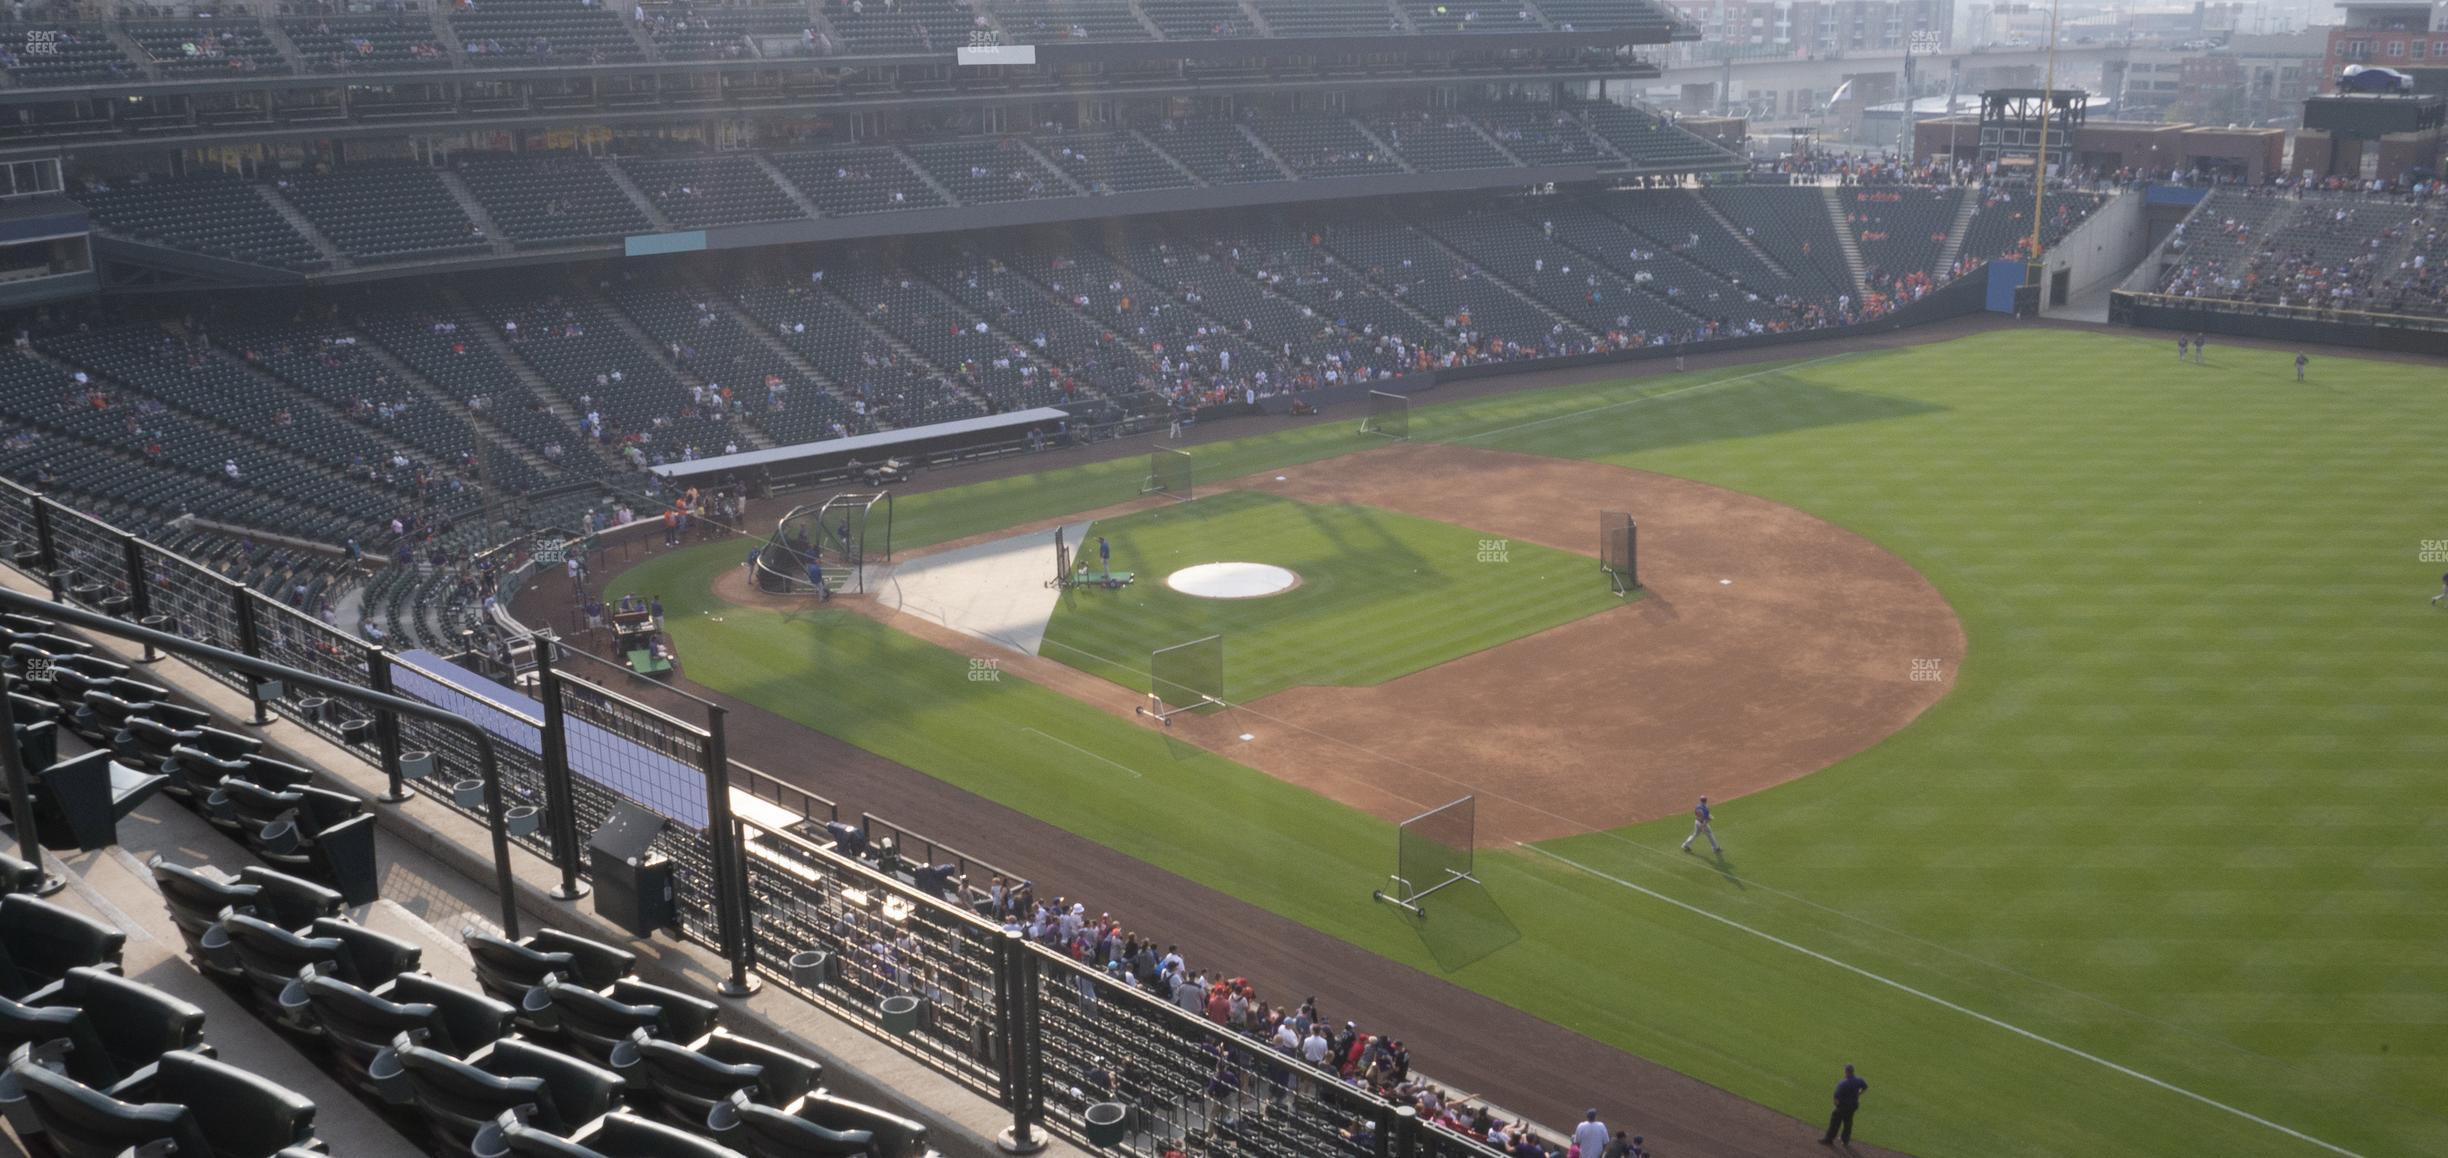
x: 1934, y: 999
x: 1085, y: 752
x: 1784, y: 369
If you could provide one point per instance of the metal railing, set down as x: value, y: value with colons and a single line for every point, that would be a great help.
x: 917, y: 964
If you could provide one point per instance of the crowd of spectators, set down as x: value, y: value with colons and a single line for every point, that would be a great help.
x: 2348, y: 248
x: 1270, y: 1034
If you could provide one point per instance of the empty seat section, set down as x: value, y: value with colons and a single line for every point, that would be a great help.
x: 849, y: 181
x: 1217, y: 151
x: 1317, y: 145
x: 527, y: 33
x: 552, y: 200
x: 714, y: 189
x: 1111, y: 162
x: 380, y: 211
x: 1436, y: 140
x: 979, y: 170
x: 210, y: 213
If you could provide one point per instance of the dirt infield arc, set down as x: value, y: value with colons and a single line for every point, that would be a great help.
x: 1767, y: 645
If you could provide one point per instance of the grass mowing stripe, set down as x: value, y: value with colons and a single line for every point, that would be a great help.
x: 1934, y: 999
x: 1781, y: 368
x: 1134, y: 773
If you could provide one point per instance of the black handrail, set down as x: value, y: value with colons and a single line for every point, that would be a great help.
x: 95, y: 621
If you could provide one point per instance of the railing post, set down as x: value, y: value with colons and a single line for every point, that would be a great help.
x: 386, y: 727
x: 140, y: 592
x: 20, y: 790
x: 1389, y: 1119
x: 1406, y: 1131
x: 50, y: 551
x: 730, y: 874
x: 1015, y: 980
x: 250, y: 645
x: 560, y: 800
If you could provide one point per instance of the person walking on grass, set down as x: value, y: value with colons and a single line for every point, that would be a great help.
x: 1105, y: 556
x: 2301, y: 360
x: 2435, y: 600
x: 2184, y: 347
x: 1848, y: 1102
x: 1700, y: 828
x: 2201, y: 349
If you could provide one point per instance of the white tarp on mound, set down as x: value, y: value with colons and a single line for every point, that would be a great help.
x: 995, y: 591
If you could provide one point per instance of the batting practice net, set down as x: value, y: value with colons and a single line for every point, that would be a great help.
x: 1389, y: 415
x: 1433, y: 850
x: 1619, y: 550
x: 1168, y: 474
x: 1185, y: 676
x: 842, y: 536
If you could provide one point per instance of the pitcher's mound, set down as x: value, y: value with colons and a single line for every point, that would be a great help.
x: 1232, y: 580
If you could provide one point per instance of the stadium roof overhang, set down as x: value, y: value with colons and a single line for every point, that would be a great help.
x: 105, y: 138
x: 1257, y: 48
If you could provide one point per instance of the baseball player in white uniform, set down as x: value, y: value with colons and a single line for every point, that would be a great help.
x: 1700, y: 828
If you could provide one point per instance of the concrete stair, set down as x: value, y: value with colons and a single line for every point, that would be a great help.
x: 476, y: 211
x: 1967, y: 204
x: 1149, y: 143
x: 1382, y: 144
x: 636, y: 195
x: 775, y: 175
x: 1258, y: 143
x: 1844, y: 238
x: 297, y: 220
x: 1727, y: 223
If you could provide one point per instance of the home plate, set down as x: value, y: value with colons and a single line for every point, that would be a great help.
x: 1725, y: 583
x: 1249, y: 736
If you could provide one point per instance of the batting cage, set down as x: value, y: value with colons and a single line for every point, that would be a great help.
x: 1168, y: 474
x: 1185, y: 676
x: 839, y: 540
x: 1619, y: 550
x: 1389, y: 415
x: 1432, y: 850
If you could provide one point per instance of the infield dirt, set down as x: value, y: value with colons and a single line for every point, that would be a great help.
x: 1767, y: 644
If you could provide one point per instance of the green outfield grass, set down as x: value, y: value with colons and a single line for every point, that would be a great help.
x: 1378, y: 597
x: 2173, y: 838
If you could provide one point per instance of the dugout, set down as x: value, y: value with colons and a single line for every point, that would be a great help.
x: 831, y: 460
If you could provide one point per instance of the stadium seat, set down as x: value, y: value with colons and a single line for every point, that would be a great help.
x: 682, y: 1083
x: 593, y: 1023
x: 611, y: 1136
x: 272, y: 957
x: 508, y: 969
x: 79, y: 802
x: 361, y: 1023
x: 115, y: 1027
x: 203, y: 1106
x: 766, y: 1132
x: 17, y: 876
x: 40, y: 942
x: 457, y: 1098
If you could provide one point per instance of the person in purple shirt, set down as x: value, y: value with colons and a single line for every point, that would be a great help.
x: 1848, y: 1101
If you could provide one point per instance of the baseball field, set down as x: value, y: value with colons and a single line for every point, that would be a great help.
x: 2073, y: 718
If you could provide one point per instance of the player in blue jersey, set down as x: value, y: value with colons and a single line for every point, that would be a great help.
x: 1700, y: 828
